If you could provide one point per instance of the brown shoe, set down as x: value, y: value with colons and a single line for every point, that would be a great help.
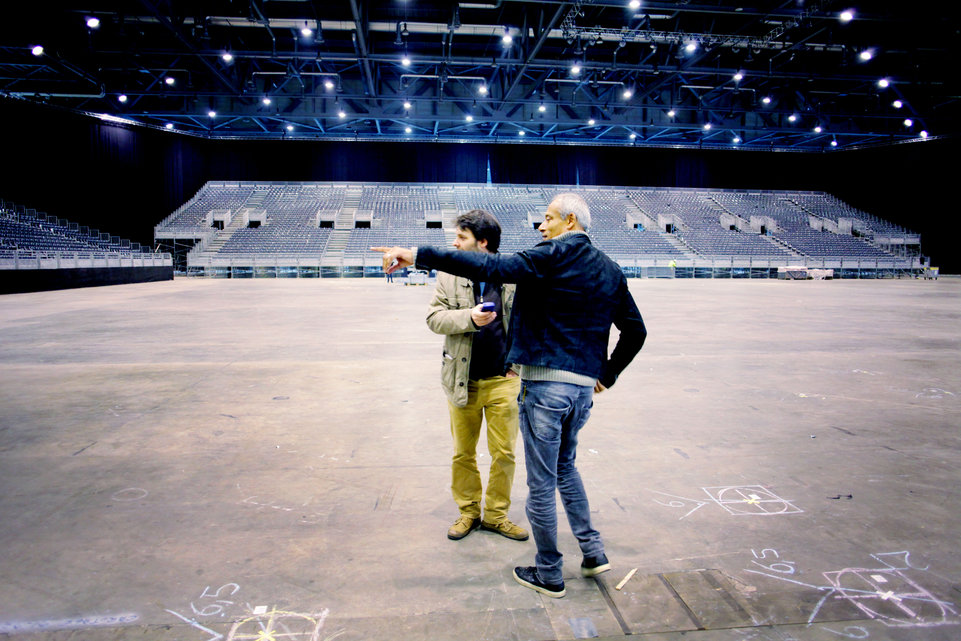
x: 506, y: 528
x: 462, y: 527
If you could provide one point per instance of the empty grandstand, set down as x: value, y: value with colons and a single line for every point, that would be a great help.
x: 311, y: 229
x: 39, y: 251
x: 35, y: 240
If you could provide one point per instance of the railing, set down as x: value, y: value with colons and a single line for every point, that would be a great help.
x: 28, y: 259
x: 353, y: 266
x: 774, y: 263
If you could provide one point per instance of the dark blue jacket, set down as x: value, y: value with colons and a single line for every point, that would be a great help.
x: 569, y: 293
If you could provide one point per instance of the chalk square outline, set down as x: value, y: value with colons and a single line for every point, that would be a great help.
x: 746, y: 490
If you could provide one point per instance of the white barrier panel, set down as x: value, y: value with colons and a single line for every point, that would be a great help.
x: 17, y: 259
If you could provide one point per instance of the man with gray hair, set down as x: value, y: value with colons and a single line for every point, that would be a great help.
x: 568, y: 295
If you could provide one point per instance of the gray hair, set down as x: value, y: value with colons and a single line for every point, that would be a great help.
x: 570, y: 203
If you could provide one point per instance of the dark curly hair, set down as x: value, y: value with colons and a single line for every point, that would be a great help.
x: 484, y: 227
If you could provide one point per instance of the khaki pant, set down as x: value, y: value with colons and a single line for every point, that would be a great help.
x: 495, y: 398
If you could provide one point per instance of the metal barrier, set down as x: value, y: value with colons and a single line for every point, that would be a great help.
x: 299, y: 266
x: 25, y: 259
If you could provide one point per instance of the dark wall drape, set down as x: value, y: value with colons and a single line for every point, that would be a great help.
x: 125, y: 180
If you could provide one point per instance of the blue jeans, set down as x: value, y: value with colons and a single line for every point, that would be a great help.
x: 551, y: 415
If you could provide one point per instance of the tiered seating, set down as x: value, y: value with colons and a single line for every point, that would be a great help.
x: 26, y: 230
x: 399, y: 214
x: 824, y: 244
x: 398, y: 205
x: 610, y: 231
x: 191, y: 218
x: 361, y: 240
x: 793, y: 221
x: 517, y: 209
x: 294, y: 206
x: 698, y: 215
x: 830, y: 208
x: 277, y: 240
x: 290, y: 205
x: 726, y: 243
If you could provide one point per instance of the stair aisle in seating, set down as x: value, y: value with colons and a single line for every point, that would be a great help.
x: 217, y: 242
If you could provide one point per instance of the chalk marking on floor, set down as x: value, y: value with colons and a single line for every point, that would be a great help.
x: 70, y: 623
x: 214, y: 636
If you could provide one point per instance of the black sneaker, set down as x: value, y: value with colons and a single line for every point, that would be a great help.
x: 529, y: 579
x: 594, y: 565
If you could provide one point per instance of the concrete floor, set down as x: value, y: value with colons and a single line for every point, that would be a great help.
x: 208, y: 459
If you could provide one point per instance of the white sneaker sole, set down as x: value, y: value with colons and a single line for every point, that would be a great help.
x: 589, y: 572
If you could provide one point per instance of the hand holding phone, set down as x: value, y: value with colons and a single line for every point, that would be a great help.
x: 483, y: 314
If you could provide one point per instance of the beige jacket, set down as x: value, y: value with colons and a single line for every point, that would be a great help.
x: 449, y: 314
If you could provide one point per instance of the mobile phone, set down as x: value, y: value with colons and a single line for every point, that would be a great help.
x: 488, y: 307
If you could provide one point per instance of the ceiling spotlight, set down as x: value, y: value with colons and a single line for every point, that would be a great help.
x: 671, y: 113
x: 520, y: 132
x: 482, y: 90
x: 634, y: 4
x: 169, y: 125
x: 290, y: 127
x: 866, y: 55
x: 212, y: 113
x: 328, y: 84
x: 846, y: 15
x: 908, y: 122
x: 266, y: 100
x: 738, y: 77
x: 691, y: 47
x: 591, y: 122
x: 306, y: 31
x: 632, y: 136
x: 37, y: 50
x: 627, y: 93
x: 575, y: 69
x: 407, y: 104
x: 469, y: 118
x: 506, y: 39
x: 884, y: 83
x: 93, y: 23
x: 405, y: 61
x: 407, y: 130
x: 923, y: 134
x: 170, y: 81
x: 897, y: 104
x: 542, y: 107
x: 818, y: 129
x: 707, y: 126
x: 766, y: 100
x: 792, y: 117
x: 228, y: 57
x: 122, y: 97
x: 834, y: 143
x: 736, y: 139
x: 341, y: 114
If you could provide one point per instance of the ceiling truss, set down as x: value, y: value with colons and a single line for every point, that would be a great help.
x: 787, y: 75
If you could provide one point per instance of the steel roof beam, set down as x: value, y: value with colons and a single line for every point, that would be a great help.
x: 361, y: 45
x: 152, y: 8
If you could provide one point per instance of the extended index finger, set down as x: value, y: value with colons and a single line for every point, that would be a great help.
x: 382, y: 250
